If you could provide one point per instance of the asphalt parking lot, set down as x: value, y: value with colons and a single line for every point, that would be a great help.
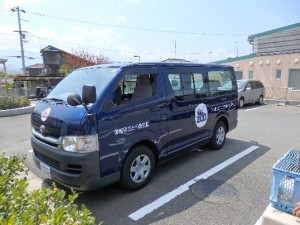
x: 230, y: 186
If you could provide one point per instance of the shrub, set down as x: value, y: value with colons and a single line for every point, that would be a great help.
x: 42, y: 206
x: 12, y: 102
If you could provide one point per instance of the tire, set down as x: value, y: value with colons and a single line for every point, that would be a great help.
x: 219, y: 136
x: 241, y: 102
x: 137, y: 168
x: 260, y: 100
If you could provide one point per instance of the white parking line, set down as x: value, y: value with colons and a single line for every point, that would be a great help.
x: 181, y: 189
x: 258, y: 222
x: 255, y: 108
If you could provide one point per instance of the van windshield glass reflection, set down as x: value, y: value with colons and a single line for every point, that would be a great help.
x: 72, y: 84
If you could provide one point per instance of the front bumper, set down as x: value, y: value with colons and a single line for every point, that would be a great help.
x: 80, y: 171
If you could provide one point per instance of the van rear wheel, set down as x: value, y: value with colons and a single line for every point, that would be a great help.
x: 219, y: 136
x: 138, y: 168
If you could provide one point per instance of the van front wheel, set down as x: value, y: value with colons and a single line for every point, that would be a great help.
x: 219, y: 136
x: 138, y: 168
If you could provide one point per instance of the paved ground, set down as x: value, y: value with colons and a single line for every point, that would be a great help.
x: 273, y: 128
x: 12, y: 139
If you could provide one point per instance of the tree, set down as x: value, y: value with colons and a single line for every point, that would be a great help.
x: 7, y: 80
x: 79, y: 59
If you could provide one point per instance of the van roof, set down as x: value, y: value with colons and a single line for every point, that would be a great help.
x: 167, y: 64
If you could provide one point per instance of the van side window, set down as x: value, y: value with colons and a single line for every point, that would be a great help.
x: 201, y: 85
x: 257, y: 84
x: 136, y: 85
x: 187, y: 86
x: 220, y: 82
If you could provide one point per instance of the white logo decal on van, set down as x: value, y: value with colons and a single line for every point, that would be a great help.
x: 201, y: 115
x: 131, y: 128
x: 45, y: 114
x: 227, y: 106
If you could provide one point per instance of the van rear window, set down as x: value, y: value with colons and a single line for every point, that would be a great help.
x: 220, y: 81
x: 187, y: 86
x: 193, y: 83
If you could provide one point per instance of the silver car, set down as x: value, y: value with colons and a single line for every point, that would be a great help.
x: 250, y: 91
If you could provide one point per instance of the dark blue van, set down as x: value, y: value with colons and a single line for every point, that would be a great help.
x: 116, y: 122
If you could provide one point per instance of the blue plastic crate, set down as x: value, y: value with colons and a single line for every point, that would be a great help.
x: 285, y: 192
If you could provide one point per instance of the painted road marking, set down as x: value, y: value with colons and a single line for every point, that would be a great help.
x: 255, y: 108
x: 183, y: 188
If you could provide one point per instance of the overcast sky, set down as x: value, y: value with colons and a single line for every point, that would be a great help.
x: 204, y: 30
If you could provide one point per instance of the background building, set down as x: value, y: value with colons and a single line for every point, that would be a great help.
x: 275, y: 61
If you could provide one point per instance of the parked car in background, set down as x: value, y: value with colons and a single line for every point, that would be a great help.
x: 250, y: 91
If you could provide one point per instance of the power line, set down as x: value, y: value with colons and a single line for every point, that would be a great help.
x: 134, y: 28
x: 76, y: 44
x: 125, y: 51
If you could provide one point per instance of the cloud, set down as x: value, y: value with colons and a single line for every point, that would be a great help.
x: 8, y: 38
x: 118, y: 3
x: 122, y: 18
x: 132, y: 1
x: 8, y: 4
x: 95, y: 41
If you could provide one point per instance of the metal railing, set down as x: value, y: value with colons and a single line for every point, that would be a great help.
x: 28, y: 92
x: 282, y: 94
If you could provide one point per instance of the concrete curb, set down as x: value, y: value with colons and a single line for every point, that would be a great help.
x: 35, y: 182
x: 15, y: 112
x: 19, y: 111
x: 282, y: 102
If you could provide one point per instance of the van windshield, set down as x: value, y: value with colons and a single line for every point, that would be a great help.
x: 99, y: 77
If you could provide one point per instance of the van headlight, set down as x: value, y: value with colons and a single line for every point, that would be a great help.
x: 81, y: 144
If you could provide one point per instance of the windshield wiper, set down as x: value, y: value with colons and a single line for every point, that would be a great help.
x: 53, y: 99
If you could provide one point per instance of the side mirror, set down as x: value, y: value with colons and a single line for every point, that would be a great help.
x: 74, y: 99
x: 88, y: 94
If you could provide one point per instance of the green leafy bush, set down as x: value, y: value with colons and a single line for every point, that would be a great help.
x: 12, y: 102
x: 42, y: 206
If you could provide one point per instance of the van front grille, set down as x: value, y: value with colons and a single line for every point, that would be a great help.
x: 49, y: 161
x: 71, y: 168
x: 46, y: 142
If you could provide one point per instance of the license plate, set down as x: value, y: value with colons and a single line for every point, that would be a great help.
x: 45, y: 170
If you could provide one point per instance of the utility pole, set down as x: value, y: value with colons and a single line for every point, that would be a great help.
x: 237, y: 49
x: 22, y: 36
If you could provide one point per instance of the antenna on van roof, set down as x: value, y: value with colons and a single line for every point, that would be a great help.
x: 175, y: 48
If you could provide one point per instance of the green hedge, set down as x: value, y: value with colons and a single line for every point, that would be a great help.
x: 42, y: 206
x: 12, y: 102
